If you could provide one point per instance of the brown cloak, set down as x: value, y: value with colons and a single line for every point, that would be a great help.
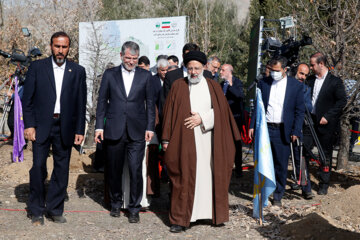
x: 180, y: 156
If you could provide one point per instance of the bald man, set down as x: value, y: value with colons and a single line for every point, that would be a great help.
x: 302, y: 72
x: 233, y: 91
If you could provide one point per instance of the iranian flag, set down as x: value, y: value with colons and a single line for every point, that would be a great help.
x: 165, y: 24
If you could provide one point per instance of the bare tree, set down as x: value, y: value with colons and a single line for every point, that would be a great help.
x: 97, y: 54
x: 335, y: 29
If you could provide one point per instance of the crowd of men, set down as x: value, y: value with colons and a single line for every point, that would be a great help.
x: 194, y: 110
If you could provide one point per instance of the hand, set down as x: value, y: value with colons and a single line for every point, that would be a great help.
x: 164, y: 146
x: 97, y: 135
x: 323, y: 121
x: 78, y: 139
x: 251, y: 133
x: 193, y: 121
x: 293, y: 138
x: 9, y: 94
x: 30, y: 134
x: 148, y: 135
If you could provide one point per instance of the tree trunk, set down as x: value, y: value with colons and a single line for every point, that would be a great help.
x: 343, y: 155
x: 90, y: 134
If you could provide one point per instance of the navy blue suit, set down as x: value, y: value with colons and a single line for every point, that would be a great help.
x: 38, y: 108
x: 293, y: 117
x: 235, y: 96
x: 127, y: 119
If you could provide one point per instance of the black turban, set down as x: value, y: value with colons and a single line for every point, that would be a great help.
x: 195, y: 55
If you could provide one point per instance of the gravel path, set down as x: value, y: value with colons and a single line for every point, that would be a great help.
x: 88, y: 219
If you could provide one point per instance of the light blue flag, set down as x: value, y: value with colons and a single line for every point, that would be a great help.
x: 264, y: 176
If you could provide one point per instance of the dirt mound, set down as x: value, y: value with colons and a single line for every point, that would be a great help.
x: 315, y: 226
x: 345, y: 207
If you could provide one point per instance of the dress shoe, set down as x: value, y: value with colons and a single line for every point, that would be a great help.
x: 277, y: 203
x: 308, y: 195
x: 176, y: 228
x: 295, y: 186
x: 37, y: 220
x: 66, y: 198
x: 57, y: 219
x: 134, y: 218
x: 322, y: 191
x: 115, y: 212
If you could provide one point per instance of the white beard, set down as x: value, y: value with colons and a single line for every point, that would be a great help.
x: 196, y: 79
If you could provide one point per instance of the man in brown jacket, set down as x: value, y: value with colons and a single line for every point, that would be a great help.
x: 197, y: 117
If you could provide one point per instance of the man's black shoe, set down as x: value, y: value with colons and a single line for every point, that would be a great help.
x: 66, y: 199
x: 308, y: 195
x: 134, y: 218
x: 37, y: 220
x: 115, y: 212
x: 276, y: 203
x: 322, y: 191
x: 176, y: 228
x: 295, y: 186
x: 57, y: 219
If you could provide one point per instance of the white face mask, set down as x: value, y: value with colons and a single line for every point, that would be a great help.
x: 277, y: 76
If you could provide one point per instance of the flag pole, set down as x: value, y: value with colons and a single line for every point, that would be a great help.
x: 260, y: 201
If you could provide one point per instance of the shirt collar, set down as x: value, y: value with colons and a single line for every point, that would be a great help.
x: 55, y: 66
x: 322, y: 78
x: 123, y: 69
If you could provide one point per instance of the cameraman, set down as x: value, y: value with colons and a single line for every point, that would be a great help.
x: 328, y: 100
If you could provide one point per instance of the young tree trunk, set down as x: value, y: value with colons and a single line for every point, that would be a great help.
x: 90, y: 134
x: 343, y: 155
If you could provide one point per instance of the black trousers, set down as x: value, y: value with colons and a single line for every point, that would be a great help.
x: 54, y: 203
x: 116, y: 153
x: 238, y: 157
x: 326, y: 140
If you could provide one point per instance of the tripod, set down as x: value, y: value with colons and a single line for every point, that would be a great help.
x: 7, y: 102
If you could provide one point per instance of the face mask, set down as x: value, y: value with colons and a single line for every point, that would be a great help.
x: 277, y: 76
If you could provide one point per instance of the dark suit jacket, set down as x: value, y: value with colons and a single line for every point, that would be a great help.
x: 293, y: 109
x: 40, y: 96
x: 330, y: 102
x: 176, y: 74
x: 134, y: 113
x: 235, y: 96
x: 158, y: 92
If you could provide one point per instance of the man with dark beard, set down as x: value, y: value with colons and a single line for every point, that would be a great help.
x: 54, y: 104
x: 196, y: 118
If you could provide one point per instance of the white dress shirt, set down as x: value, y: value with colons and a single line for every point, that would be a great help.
x: 274, y: 113
x: 317, y: 87
x: 128, y: 78
x: 59, y: 76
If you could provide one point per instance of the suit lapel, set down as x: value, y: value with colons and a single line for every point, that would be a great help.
x: 121, y: 82
x: 324, y: 86
x: 133, y: 85
x: 67, y: 75
x: 50, y: 72
x: 288, y: 93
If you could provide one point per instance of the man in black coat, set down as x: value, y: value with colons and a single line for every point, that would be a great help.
x: 328, y: 100
x: 233, y: 90
x: 54, y: 105
x: 126, y: 100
